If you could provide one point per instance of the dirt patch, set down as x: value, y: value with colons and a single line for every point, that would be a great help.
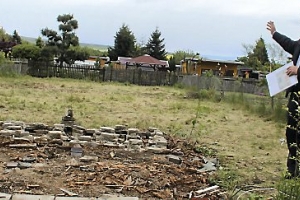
x: 172, y: 173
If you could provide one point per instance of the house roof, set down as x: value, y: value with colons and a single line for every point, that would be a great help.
x: 101, y: 57
x: 222, y: 61
x: 124, y: 60
x: 147, y: 59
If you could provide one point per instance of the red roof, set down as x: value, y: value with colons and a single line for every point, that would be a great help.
x: 146, y: 59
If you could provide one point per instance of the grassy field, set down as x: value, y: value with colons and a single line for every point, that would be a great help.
x: 247, y: 145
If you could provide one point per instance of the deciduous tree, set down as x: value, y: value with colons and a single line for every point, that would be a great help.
x: 65, y: 39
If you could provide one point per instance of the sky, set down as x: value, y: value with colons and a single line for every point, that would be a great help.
x: 212, y: 28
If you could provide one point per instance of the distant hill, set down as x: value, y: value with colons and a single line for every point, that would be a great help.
x: 93, y: 46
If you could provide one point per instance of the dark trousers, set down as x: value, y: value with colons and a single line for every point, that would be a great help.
x: 292, y: 134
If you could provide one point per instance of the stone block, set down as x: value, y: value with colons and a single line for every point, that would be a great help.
x: 22, y: 140
x: 73, y: 198
x: 14, y: 127
x: 160, y: 141
x: 56, y: 141
x: 79, y: 127
x: 4, y: 196
x: 90, y: 132
x: 135, y: 142
x: 31, y: 197
x: 28, y: 159
x: 133, y: 131
x: 154, y: 149
x: 40, y: 140
x: 151, y: 142
x: 174, y: 159
x: 152, y: 129
x: 120, y: 127
x: 107, y: 137
x: 5, y: 139
x: 129, y: 137
x: 7, y: 132
x: 65, y: 138
x: 122, y: 198
x: 107, y: 129
x: 92, y: 144
x: 59, y: 127
x: 23, y: 146
x: 113, y: 145
x: 55, y: 134
x: 22, y: 133
x: 89, y: 159
x: 76, y: 151
x: 85, y: 138
x: 40, y: 132
x: 6, y: 124
x: 144, y: 135
x: 159, y: 133
x: 73, y: 142
x: 73, y: 163
x: 11, y: 165
x: 24, y: 165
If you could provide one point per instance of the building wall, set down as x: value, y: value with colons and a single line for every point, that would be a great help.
x: 199, y: 68
x: 102, y: 61
x: 117, y: 65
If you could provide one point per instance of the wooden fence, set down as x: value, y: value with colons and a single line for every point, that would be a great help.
x: 223, y: 84
x: 134, y: 76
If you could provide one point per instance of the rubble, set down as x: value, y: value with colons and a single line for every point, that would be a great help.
x: 145, y: 164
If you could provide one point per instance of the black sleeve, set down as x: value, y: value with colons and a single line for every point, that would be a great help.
x: 285, y: 42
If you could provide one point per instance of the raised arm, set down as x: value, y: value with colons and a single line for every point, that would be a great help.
x: 285, y: 42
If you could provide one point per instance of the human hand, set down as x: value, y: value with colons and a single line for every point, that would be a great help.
x: 271, y: 27
x: 292, y: 70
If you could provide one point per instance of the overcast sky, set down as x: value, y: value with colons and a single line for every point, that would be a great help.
x: 214, y: 28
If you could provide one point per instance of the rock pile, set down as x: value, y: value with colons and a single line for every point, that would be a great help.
x: 141, y: 163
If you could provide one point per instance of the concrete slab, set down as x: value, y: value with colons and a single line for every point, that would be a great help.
x: 31, y: 197
x: 4, y: 196
x: 122, y: 198
x: 72, y: 198
x: 116, y: 197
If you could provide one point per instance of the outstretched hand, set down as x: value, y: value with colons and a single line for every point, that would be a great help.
x: 271, y: 27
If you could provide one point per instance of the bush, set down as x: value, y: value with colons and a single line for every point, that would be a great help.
x: 288, y: 190
x: 202, y: 94
x: 6, y: 67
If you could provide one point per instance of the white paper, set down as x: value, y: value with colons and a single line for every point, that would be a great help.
x: 279, y: 81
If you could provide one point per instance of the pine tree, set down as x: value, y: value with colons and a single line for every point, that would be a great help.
x: 124, y: 44
x: 260, y: 52
x: 16, y: 38
x: 155, y: 46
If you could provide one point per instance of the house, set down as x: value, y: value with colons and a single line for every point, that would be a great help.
x: 199, y: 67
x: 122, y: 63
x: 92, y: 61
x: 102, y: 61
x: 144, y: 62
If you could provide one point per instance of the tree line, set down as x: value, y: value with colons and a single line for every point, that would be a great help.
x: 64, y: 46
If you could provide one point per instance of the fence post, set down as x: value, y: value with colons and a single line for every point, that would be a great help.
x: 103, y: 74
x: 111, y: 71
x: 272, y: 102
x: 133, y: 77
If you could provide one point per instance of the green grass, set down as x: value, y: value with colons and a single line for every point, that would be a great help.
x: 239, y: 132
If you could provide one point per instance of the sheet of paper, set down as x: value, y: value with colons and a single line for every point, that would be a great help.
x: 279, y: 81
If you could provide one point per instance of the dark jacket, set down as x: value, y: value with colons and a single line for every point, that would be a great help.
x: 292, y: 47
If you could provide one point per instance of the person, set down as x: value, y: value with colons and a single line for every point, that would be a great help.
x: 292, y: 129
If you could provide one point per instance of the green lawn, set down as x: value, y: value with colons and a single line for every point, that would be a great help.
x: 248, y: 145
